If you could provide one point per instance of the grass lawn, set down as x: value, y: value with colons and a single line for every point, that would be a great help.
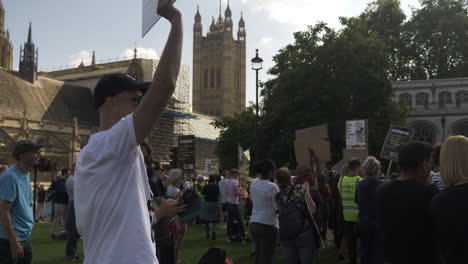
x: 48, y: 251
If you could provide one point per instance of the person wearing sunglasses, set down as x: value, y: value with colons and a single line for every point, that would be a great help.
x: 112, y: 190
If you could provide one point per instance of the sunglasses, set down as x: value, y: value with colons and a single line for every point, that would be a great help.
x: 136, y: 99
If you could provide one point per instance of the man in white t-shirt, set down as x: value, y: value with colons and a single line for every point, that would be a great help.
x: 111, y: 184
x: 223, y: 194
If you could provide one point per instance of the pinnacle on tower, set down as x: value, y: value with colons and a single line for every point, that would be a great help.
x: 30, y: 34
x: 198, y: 16
x: 93, y: 61
x: 228, y: 12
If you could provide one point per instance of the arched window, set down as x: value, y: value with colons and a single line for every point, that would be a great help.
x: 406, y: 99
x: 205, y: 78
x: 445, y: 98
x: 212, y: 77
x: 424, y: 132
x: 461, y: 97
x: 422, y: 99
x: 460, y: 129
x: 218, y: 78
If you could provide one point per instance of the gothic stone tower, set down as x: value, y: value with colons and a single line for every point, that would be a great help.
x: 28, y: 59
x: 6, y: 48
x: 219, y: 66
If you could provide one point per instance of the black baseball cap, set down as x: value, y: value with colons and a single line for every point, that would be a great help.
x: 113, y: 84
x: 24, y: 146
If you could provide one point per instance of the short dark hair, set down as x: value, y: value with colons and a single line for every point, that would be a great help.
x: 212, y: 179
x: 436, y: 153
x: 65, y: 171
x: 411, y: 155
x: 264, y: 167
x: 354, y: 163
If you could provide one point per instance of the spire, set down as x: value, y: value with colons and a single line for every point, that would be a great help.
x: 241, y: 21
x: 198, y: 16
x: 213, y: 26
x: 220, y: 18
x: 135, y: 52
x: 81, y: 64
x: 228, y: 12
x: 93, y: 61
x: 30, y: 34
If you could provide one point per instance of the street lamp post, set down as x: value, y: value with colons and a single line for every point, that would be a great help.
x: 443, y: 120
x: 256, y: 66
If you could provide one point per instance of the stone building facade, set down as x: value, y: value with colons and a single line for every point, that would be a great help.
x: 6, y: 47
x: 438, y: 108
x: 219, y: 66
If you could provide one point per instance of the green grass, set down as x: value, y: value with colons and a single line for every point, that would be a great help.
x: 48, y: 251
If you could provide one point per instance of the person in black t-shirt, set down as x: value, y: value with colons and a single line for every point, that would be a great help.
x: 41, y: 203
x: 210, y: 213
x: 449, y: 209
x: 403, y: 209
x: 60, y: 201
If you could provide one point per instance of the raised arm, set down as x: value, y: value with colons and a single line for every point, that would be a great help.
x: 165, y: 78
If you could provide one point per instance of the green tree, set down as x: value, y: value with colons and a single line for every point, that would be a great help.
x: 439, y: 39
x: 238, y: 129
x: 327, y: 77
x: 386, y: 20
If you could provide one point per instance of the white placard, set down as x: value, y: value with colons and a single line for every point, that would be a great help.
x: 149, y: 15
x: 356, y: 134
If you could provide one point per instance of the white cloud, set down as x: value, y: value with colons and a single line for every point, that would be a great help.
x: 144, y: 53
x: 300, y: 13
x: 265, y: 41
x: 82, y: 56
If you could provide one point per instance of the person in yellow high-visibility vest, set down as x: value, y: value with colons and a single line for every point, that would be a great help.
x: 347, y: 186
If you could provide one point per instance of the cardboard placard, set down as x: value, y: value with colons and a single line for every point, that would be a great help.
x: 149, y: 15
x: 396, y: 137
x: 316, y: 139
x: 356, y: 134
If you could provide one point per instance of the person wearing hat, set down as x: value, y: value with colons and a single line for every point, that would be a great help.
x: 16, y: 205
x: 111, y: 188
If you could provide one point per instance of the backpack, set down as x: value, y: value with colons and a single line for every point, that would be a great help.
x: 291, y: 219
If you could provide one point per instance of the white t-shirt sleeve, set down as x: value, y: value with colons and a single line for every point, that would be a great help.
x: 274, y: 191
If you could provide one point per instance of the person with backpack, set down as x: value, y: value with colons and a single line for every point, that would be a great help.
x: 347, y: 187
x: 264, y: 220
x: 299, y: 235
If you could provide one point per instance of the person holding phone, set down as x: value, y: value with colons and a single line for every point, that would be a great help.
x: 111, y: 185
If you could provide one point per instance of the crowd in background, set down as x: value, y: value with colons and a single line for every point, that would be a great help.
x: 416, y: 216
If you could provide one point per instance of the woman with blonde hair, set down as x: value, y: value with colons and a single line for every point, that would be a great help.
x: 449, y: 209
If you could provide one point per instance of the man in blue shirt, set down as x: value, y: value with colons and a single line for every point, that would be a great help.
x: 16, y: 206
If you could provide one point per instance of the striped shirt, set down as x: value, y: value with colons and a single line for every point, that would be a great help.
x: 436, y: 180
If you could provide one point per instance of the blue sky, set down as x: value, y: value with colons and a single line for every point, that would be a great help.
x: 66, y: 31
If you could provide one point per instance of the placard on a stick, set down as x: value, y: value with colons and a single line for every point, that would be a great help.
x: 149, y: 15
x: 396, y: 137
x: 315, y: 138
